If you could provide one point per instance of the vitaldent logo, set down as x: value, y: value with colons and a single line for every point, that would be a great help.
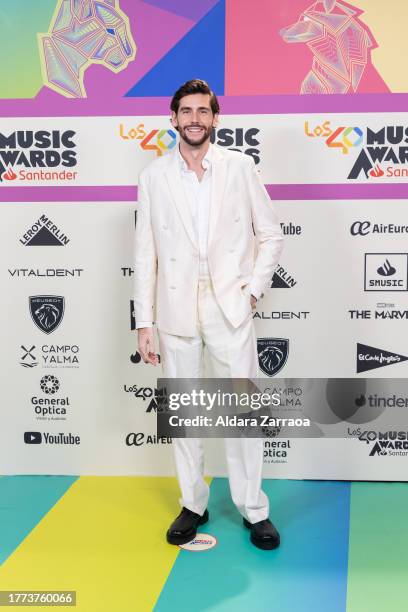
x: 383, y: 153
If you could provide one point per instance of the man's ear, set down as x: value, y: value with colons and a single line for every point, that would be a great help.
x: 216, y: 119
x: 173, y: 119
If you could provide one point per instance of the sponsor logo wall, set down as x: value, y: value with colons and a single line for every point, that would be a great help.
x: 77, y: 397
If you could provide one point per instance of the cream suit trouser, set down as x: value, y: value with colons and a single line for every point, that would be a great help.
x: 232, y: 354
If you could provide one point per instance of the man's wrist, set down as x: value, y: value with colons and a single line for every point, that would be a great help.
x: 142, y: 324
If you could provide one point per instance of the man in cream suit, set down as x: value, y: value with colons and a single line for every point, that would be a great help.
x: 206, y: 246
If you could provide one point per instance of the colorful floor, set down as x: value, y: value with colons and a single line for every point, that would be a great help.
x: 344, y: 547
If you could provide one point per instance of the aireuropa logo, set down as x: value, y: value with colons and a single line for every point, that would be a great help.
x: 383, y: 151
x: 140, y: 438
x: 371, y: 358
x: 386, y: 272
x: 158, y: 140
x: 44, y: 232
x: 272, y: 354
x: 47, y: 311
x: 28, y: 156
x: 363, y: 228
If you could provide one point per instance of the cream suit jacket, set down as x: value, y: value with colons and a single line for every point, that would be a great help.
x: 244, y: 242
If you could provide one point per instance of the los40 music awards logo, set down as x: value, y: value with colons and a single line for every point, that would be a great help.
x: 383, y: 152
x: 245, y: 140
x: 29, y: 156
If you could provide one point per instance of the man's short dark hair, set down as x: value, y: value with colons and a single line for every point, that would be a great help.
x: 193, y: 87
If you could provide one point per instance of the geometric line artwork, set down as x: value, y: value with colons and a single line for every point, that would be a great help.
x: 340, y: 44
x: 82, y: 33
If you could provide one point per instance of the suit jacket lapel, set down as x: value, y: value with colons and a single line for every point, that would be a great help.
x: 218, y: 181
x: 173, y: 176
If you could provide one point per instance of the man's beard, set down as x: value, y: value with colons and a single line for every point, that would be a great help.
x: 195, y: 143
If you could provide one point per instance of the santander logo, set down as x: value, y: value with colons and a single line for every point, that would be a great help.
x: 9, y: 174
x: 376, y: 172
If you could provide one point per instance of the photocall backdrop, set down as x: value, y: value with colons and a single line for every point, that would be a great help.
x: 317, y: 95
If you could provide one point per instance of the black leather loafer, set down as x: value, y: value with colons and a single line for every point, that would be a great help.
x: 184, y: 528
x: 263, y: 534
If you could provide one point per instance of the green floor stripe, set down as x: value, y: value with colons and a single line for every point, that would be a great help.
x: 378, y: 549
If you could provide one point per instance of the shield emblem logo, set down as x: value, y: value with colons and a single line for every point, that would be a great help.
x: 47, y: 311
x: 272, y: 354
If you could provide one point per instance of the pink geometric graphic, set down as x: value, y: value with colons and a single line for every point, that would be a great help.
x: 84, y: 32
x: 258, y: 61
x: 339, y: 43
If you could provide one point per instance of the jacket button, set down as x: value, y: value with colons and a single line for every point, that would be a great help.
x: 164, y: 226
x: 172, y: 259
x: 232, y: 250
x: 236, y: 219
x: 172, y: 287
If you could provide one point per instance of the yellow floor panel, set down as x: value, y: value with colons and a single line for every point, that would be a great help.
x: 104, y: 539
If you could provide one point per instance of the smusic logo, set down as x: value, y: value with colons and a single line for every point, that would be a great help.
x: 47, y: 311
x: 386, y: 272
x: 272, y: 354
x: 370, y: 358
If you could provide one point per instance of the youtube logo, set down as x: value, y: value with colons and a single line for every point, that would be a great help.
x: 32, y: 437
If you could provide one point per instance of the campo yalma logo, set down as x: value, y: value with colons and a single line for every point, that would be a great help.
x: 28, y: 359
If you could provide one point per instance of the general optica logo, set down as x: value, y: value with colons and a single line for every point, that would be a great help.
x: 383, y: 154
x: 160, y: 141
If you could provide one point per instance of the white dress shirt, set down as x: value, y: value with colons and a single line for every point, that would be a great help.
x: 198, y: 195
